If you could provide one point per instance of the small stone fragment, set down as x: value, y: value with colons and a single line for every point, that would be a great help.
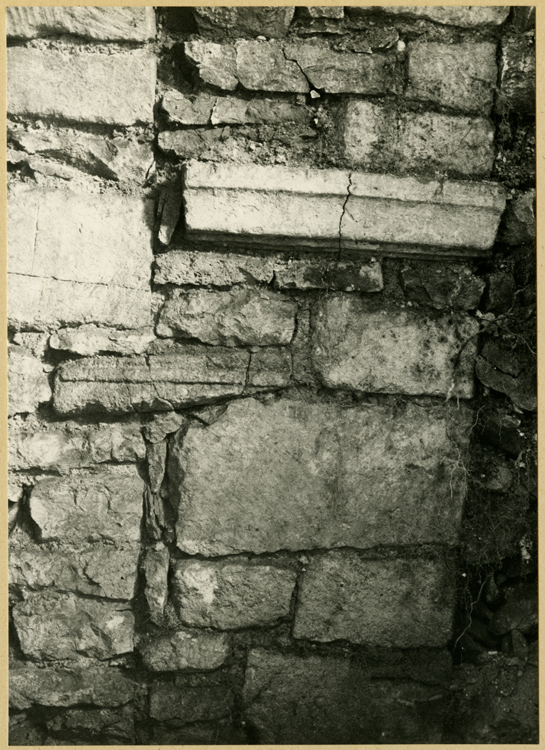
x: 185, y: 649
x: 500, y: 292
x: 28, y: 384
x: 216, y: 63
x: 442, y: 286
x: 91, y: 339
x: 335, y: 275
x: 231, y: 595
x: 518, y: 76
x: 169, y: 210
x: 194, y: 110
x: 35, y: 343
x: 155, y: 567
x: 209, y: 268
x: 521, y: 390
x: 519, y: 219
x: 162, y: 425
x: 156, y: 456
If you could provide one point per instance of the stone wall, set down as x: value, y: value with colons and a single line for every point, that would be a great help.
x: 272, y: 375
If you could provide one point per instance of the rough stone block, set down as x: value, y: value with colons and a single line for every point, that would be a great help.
x: 403, y: 351
x: 242, y: 22
x: 265, y: 66
x: 43, y: 302
x: 359, y: 276
x: 69, y: 445
x: 465, y: 16
x: 462, y: 76
x: 185, y: 649
x: 114, y: 89
x: 343, y: 72
x: 91, y: 339
x: 398, y: 603
x: 272, y: 206
x: 519, y: 219
x: 294, y: 475
x: 109, y: 572
x: 35, y: 343
x: 215, y: 63
x: 155, y: 566
x: 230, y: 110
x: 56, y: 627
x: 30, y: 685
x: 442, y: 286
x: 235, y: 318
x: 106, y: 725
x: 324, y: 700
x: 185, y: 705
x: 214, y: 269
x: 87, y: 507
x: 108, y: 24
x: 28, y: 384
x: 518, y: 76
x: 231, y: 594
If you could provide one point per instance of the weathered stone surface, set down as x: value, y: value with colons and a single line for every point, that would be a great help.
x: 69, y: 445
x: 35, y: 343
x: 360, y: 276
x: 520, y: 611
x: 521, y: 389
x: 29, y: 685
x: 235, y: 318
x: 156, y: 455
x: 231, y: 594
x: 162, y: 425
x: 332, y: 208
x: 185, y: 649
x: 294, y: 475
x: 462, y: 76
x: 15, y: 495
x: 114, y: 89
x: 230, y: 110
x: 518, y: 76
x: 69, y: 236
x: 169, y: 210
x: 466, y: 16
x: 188, y: 110
x: 28, y: 384
x: 155, y: 568
x: 110, y: 24
x: 24, y: 731
x: 107, y: 571
x: 397, y: 603
x: 178, y: 376
x: 216, y: 63
x: 265, y: 66
x: 269, y: 366
x: 443, y: 286
x: 214, y: 269
x: 358, y: 348
x: 114, y: 726
x: 343, y: 72
x: 500, y: 292
x: 85, y: 507
x: 185, y: 705
x: 304, y: 700
x: 91, y: 339
x: 42, y: 302
x: 241, y: 22
x: 323, y: 12
x: 61, y: 626
x: 519, y: 219
x: 116, y: 158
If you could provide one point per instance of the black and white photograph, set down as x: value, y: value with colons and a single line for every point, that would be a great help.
x: 272, y: 375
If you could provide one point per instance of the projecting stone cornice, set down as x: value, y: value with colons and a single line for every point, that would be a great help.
x: 335, y: 209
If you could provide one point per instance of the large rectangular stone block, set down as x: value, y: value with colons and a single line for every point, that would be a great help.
x: 333, y: 209
x: 395, y: 603
x: 114, y: 89
x: 295, y: 475
x: 357, y: 347
x: 109, y: 24
x: 469, y: 16
x: 303, y: 700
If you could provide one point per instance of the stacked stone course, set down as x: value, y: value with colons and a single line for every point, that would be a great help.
x: 252, y: 273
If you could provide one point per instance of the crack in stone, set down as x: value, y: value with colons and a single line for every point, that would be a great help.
x: 293, y: 60
x: 343, y: 211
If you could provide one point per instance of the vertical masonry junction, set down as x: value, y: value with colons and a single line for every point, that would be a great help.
x: 272, y: 375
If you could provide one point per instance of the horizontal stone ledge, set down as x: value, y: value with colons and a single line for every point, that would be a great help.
x: 108, y: 24
x: 334, y: 209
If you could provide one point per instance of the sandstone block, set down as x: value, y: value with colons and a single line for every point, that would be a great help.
x: 518, y: 76
x: 155, y: 567
x: 397, y: 603
x: 185, y: 649
x: 185, y: 705
x: 62, y: 626
x: 108, y: 24
x: 357, y: 348
x: 467, y: 16
x: 294, y: 475
x: 91, y: 339
x: 214, y: 269
x: 97, y: 686
x: 43, y: 302
x: 462, y: 76
x: 362, y: 276
x: 70, y: 445
x: 231, y: 595
x: 324, y: 700
x: 114, y: 89
x: 242, y: 22
x: 333, y: 209
x: 343, y: 72
x: 28, y: 384
x: 85, y: 507
x: 109, y: 572
x: 519, y: 219
x: 235, y: 318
